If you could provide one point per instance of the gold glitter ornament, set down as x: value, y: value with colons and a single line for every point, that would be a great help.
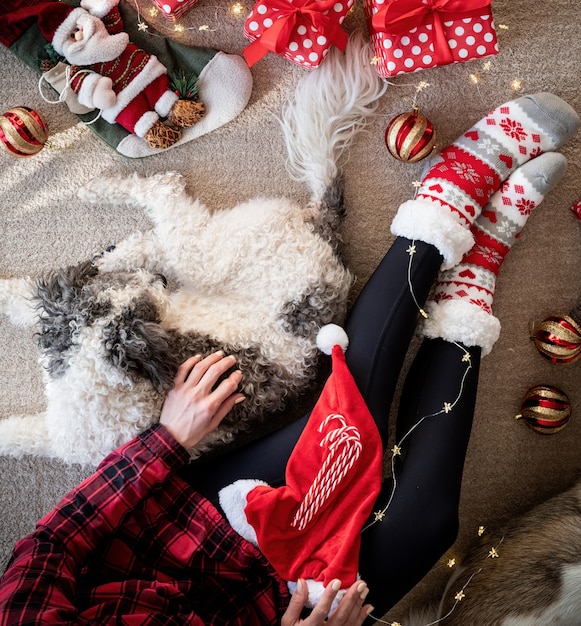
x: 558, y: 339
x: 23, y: 132
x: 545, y: 409
x: 410, y: 137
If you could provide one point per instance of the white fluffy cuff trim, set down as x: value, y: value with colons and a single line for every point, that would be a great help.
x: 85, y: 95
x: 165, y: 104
x: 433, y: 224
x: 233, y: 501
x: 457, y: 320
x: 145, y: 123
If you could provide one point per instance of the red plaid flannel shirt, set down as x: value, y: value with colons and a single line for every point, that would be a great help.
x: 135, y: 544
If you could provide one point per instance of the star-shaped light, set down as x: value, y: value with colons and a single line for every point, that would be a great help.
x: 375, y: 60
x: 423, y: 314
x: 379, y: 515
x: 396, y: 450
x: 411, y: 250
x: 142, y: 26
x: 487, y: 66
x: 204, y: 27
x: 459, y: 596
x: 447, y: 407
x: 451, y: 562
x: 395, y: 624
x: 417, y: 184
x: 466, y: 358
x: 493, y: 554
x: 481, y: 531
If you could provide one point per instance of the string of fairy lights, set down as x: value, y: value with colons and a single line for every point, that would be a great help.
x: 237, y: 9
x: 475, y: 78
x: 396, y: 452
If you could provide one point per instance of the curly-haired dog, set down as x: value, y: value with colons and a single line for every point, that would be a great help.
x: 257, y: 281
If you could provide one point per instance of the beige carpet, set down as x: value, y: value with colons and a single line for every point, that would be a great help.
x: 43, y: 225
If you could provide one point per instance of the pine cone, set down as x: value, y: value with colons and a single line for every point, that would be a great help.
x: 161, y: 136
x: 46, y: 65
x: 186, y: 113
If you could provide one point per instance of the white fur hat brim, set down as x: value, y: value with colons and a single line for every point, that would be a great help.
x: 233, y: 499
x: 457, y: 320
x: 433, y: 224
x: 63, y: 31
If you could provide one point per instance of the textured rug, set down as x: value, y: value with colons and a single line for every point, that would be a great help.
x: 43, y: 225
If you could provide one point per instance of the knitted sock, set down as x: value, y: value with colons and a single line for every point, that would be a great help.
x: 461, y: 308
x: 468, y: 172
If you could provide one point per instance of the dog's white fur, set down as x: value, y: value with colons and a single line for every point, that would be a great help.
x: 260, y: 278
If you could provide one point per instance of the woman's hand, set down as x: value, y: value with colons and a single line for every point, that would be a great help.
x: 193, y: 408
x: 350, y: 611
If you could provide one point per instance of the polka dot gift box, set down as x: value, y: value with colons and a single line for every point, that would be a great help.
x: 411, y: 35
x: 174, y: 9
x: 301, y: 31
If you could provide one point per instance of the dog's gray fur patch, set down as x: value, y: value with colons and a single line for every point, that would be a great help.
x: 330, y: 215
x: 64, y: 308
x: 320, y: 305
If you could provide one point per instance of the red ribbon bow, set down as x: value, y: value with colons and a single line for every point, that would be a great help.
x: 398, y: 17
x: 275, y: 38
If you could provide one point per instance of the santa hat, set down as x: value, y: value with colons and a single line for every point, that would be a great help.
x: 55, y: 20
x: 310, y: 528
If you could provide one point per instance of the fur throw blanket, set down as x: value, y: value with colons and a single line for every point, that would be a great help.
x: 526, y: 574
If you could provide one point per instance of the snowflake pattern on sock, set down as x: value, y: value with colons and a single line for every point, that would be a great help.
x: 470, y: 170
x: 495, y: 231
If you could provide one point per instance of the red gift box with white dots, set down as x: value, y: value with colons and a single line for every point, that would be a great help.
x: 437, y: 37
x: 174, y: 9
x: 306, y: 43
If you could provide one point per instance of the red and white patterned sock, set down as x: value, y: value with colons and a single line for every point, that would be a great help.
x: 466, y: 174
x: 461, y: 305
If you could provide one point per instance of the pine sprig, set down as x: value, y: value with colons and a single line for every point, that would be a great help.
x: 186, y: 86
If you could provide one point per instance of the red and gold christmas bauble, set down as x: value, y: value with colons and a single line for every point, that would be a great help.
x: 23, y: 132
x: 558, y: 339
x: 410, y: 137
x: 545, y: 409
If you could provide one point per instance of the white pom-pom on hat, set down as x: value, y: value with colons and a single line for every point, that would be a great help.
x: 332, y: 335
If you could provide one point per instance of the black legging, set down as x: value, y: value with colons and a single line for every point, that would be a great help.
x: 422, y: 520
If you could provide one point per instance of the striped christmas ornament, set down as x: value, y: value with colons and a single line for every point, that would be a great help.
x: 23, y: 132
x: 558, y: 339
x: 545, y: 409
x: 410, y: 137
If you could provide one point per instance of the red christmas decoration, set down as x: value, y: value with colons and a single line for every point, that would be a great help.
x: 23, y: 132
x: 558, y: 339
x: 410, y: 137
x: 545, y: 409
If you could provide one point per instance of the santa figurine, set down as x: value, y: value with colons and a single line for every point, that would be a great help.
x: 110, y: 73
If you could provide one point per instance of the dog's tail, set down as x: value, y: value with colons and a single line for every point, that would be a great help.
x: 330, y: 106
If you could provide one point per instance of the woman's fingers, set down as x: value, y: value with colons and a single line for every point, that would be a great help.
x: 297, y: 602
x: 208, y: 370
x: 351, y: 611
x: 185, y: 368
